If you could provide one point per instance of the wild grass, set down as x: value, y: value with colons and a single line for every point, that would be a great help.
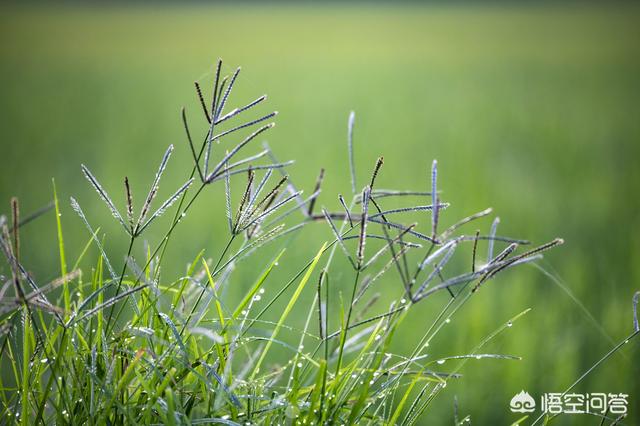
x: 118, y: 342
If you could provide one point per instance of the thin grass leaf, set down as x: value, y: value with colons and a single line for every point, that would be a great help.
x: 636, y: 297
x: 109, y: 302
x: 104, y: 196
x: 175, y: 332
x: 287, y: 310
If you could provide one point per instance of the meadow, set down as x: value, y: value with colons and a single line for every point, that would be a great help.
x: 530, y: 110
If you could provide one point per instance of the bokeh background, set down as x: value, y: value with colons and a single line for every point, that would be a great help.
x: 530, y: 109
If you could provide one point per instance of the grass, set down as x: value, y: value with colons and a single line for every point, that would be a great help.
x: 137, y: 347
x: 530, y: 110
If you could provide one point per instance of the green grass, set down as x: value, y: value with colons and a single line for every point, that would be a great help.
x: 529, y: 110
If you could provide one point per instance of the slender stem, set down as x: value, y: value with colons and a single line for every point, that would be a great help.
x: 163, y: 243
x: 204, y: 288
x: 346, y: 325
x: 124, y: 269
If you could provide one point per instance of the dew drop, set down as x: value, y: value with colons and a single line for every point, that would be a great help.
x: 509, y: 324
x: 441, y: 361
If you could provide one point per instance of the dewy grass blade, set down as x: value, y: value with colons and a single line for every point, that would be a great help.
x: 287, y: 310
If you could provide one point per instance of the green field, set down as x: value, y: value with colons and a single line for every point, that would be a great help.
x: 531, y: 110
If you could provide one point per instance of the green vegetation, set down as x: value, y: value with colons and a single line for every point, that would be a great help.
x: 529, y: 110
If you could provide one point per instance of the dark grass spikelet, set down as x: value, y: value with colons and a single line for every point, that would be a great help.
x: 243, y: 200
x: 316, y: 189
x: 202, y: 102
x: 474, y: 251
x: 129, y: 203
x: 364, y: 219
x: 346, y: 209
x: 196, y: 157
x: 376, y: 169
x: 216, y: 85
x: 493, y: 272
x: 271, y: 196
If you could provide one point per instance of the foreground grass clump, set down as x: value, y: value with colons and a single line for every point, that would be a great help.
x: 111, y: 343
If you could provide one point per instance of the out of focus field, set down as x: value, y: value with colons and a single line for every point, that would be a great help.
x: 533, y: 111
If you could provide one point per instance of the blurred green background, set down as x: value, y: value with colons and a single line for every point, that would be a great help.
x: 532, y: 110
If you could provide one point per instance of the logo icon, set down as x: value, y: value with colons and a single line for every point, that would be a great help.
x: 522, y: 403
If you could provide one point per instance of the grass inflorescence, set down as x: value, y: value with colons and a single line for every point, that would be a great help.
x: 111, y: 343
